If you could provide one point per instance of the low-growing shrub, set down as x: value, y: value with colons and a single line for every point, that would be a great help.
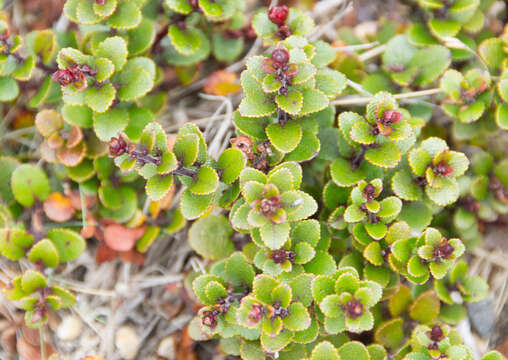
x: 334, y: 225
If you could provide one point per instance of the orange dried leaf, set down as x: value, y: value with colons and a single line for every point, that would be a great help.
x: 58, y: 207
x: 121, y: 238
x: 104, y: 254
x: 222, y: 83
x: 132, y: 256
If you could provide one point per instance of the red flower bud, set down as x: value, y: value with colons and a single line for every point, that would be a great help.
x: 118, y: 146
x: 280, y: 57
x: 278, y: 14
x: 391, y: 117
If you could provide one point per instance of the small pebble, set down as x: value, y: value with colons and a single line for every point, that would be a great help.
x: 166, y: 348
x: 127, y: 342
x: 482, y: 317
x: 70, y: 328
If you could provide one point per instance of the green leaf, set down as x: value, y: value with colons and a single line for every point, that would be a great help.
x: 226, y: 49
x: 274, y: 235
x: 284, y: 138
x: 70, y: 245
x: 110, y: 123
x: 114, y: 49
x: 106, y: 9
x: 127, y: 16
x: 386, y: 155
x: 502, y: 116
x: 206, y: 181
x: 313, y: 101
x: 105, y: 69
x: 404, y: 186
x: 135, y: 82
x: 14, y: 243
x: 210, y: 237
x: 238, y: 271
x: 325, y: 351
x: 9, y: 89
x: 445, y: 195
x: 77, y: 115
x: 231, y: 162
x: 99, y: 99
x: 344, y: 175
x: 158, y: 186
x: 32, y: 280
x: 390, y: 207
x: 307, y: 149
x: 443, y: 28
x: 361, y: 132
x: 330, y: 82
x: 46, y: 252
x: 29, y: 183
x: 425, y: 308
x: 179, y: 6
x: 492, y: 52
x: 194, y: 206
x: 291, y: 102
x: 322, y: 264
x: 390, y: 333
x: 353, y: 350
x: 431, y: 62
x: 187, y: 41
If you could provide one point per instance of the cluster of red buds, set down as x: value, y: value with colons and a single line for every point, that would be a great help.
x: 256, y: 314
x: 369, y: 192
x: 119, y: 146
x: 100, y: 2
x: 443, y: 251
x: 436, y: 335
x: 278, y: 65
x: 279, y: 311
x: 280, y: 256
x: 269, y: 207
x: 210, y: 318
x: 260, y: 158
x: 278, y: 15
x: 469, y: 95
x: 353, y: 309
x: 385, y: 122
x: 74, y: 75
x: 443, y: 169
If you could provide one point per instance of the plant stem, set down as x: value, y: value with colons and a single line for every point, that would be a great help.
x: 41, y: 338
x: 359, y: 100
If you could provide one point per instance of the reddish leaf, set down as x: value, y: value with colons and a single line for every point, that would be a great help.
x: 222, y: 83
x: 121, y: 238
x: 104, y: 254
x: 133, y: 257
x: 58, y: 207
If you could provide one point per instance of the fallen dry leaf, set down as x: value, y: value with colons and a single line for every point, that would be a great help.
x: 121, y: 238
x: 58, y: 207
x: 104, y: 254
x: 185, y: 350
x: 222, y: 83
x: 132, y: 257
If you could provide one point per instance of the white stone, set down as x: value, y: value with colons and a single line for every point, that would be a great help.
x: 127, y: 342
x: 70, y: 328
x: 166, y: 348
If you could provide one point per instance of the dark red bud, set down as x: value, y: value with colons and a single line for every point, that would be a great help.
x: 278, y: 14
x: 443, y: 169
x: 391, y: 117
x: 436, y: 334
x: 118, y: 146
x: 280, y: 57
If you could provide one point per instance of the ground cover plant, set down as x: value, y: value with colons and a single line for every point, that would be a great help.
x: 335, y: 219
